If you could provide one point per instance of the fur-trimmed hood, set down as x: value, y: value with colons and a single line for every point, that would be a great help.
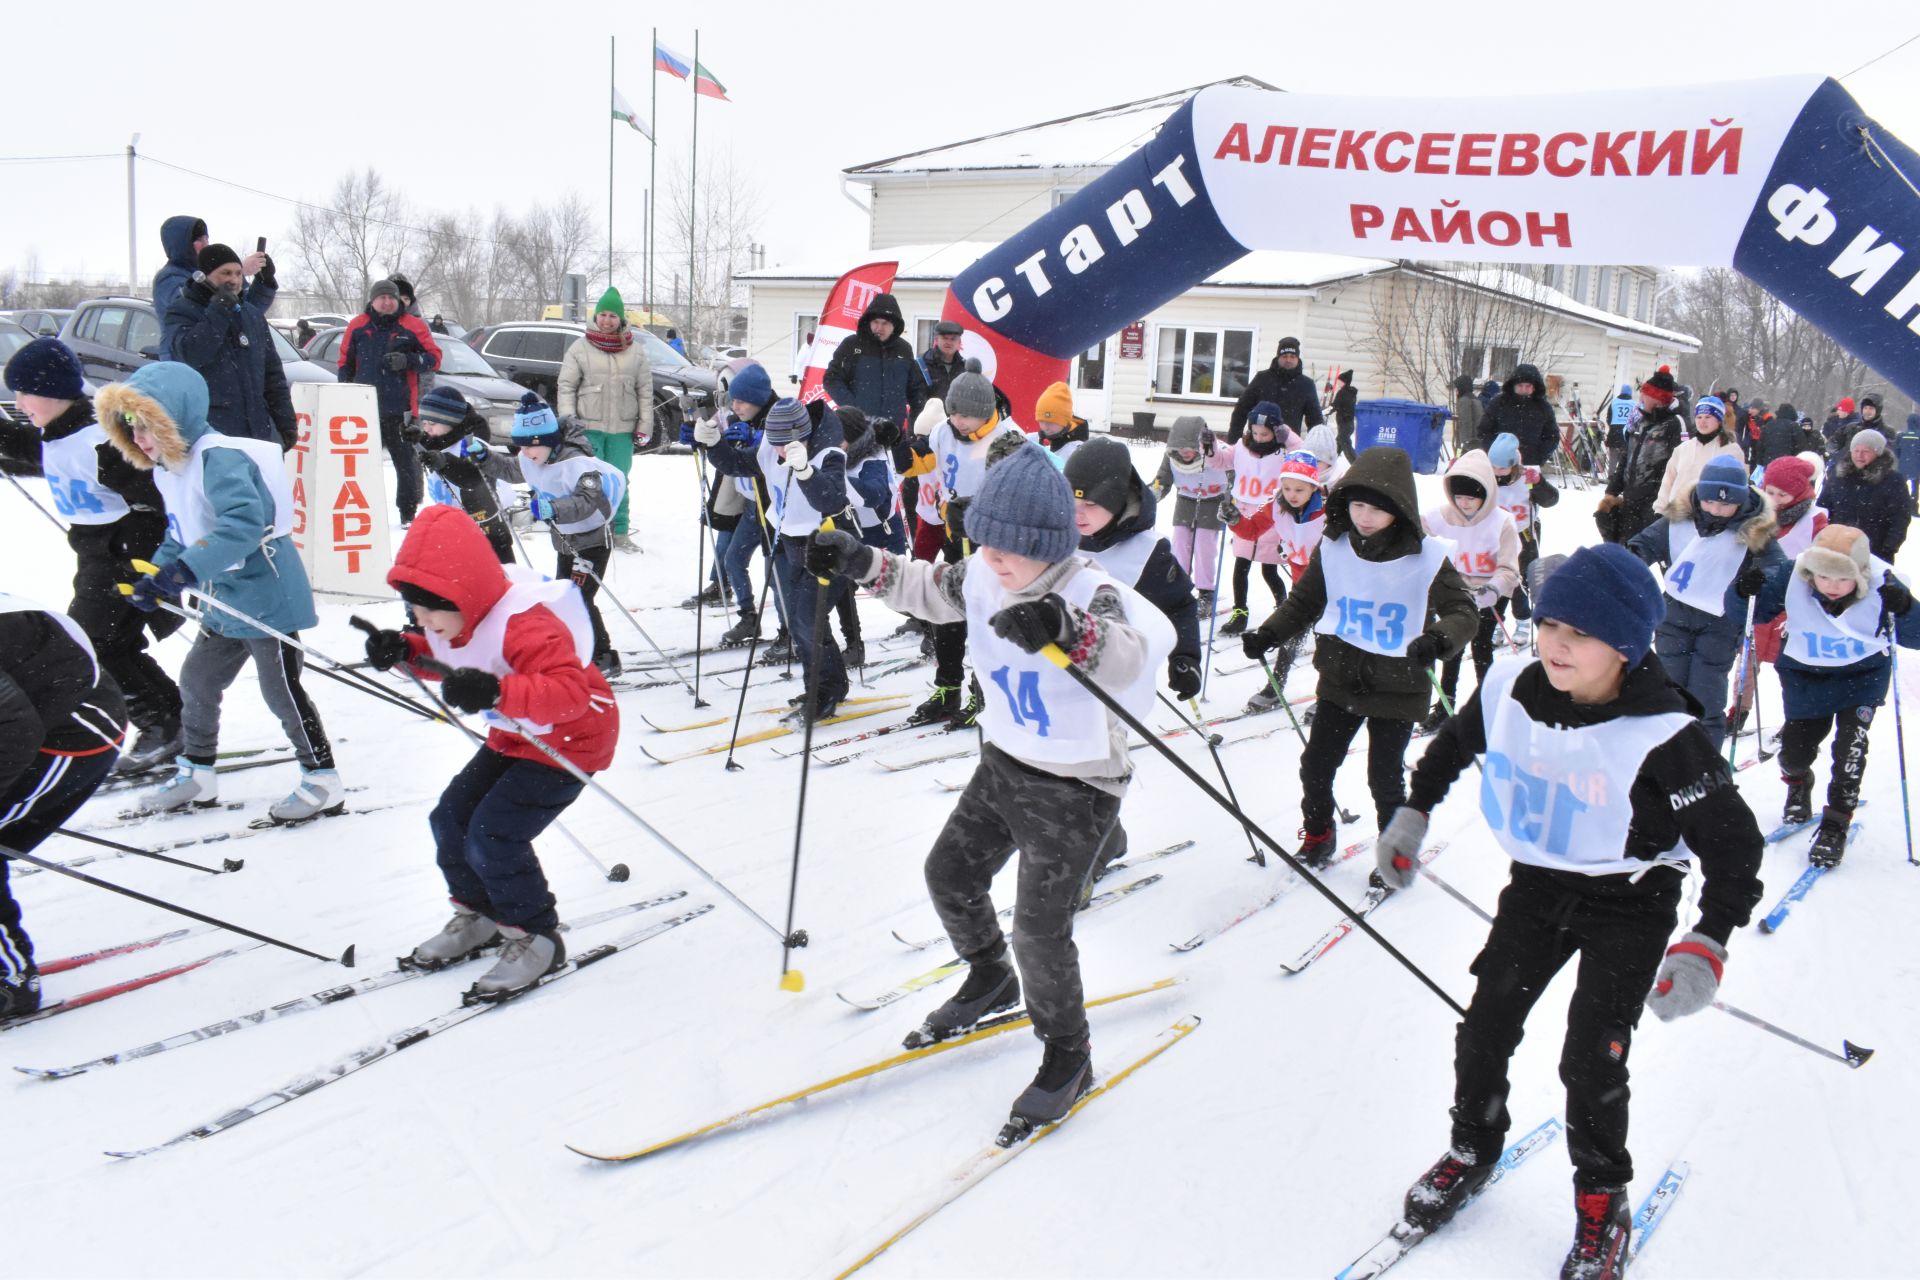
x: 1755, y: 522
x: 168, y: 399
x: 1872, y: 473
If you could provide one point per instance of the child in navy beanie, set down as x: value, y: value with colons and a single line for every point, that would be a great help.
x: 463, y: 469
x: 1598, y: 781
x: 1054, y: 765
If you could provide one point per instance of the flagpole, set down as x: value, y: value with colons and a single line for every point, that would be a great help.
x: 693, y: 190
x: 612, y: 72
x: 653, y: 156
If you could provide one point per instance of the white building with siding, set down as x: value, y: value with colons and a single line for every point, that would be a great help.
x: 1405, y: 329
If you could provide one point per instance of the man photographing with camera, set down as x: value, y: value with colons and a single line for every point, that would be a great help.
x: 224, y: 337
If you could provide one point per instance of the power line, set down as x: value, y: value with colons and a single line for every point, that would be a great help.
x: 1870, y: 61
x: 92, y: 155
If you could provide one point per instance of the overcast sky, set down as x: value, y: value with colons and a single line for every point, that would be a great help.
x: 483, y: 103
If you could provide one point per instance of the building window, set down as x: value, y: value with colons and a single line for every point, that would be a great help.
x: 1479, y: 361
x: 1063, y: 194
x: 1582, y: 277
x: 923, y: 332
x: 1091, y: 373
x: 1603, y: 297
x: 1211, y: 364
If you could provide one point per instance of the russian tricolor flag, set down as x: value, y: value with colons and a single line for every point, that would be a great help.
x: 674, y: 64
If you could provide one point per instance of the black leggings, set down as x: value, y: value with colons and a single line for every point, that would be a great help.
x: 1269, y: 573
x: 1800, y: 746
x: 1334, y: 728
x: 1482, y: 648
x: 589, y: 584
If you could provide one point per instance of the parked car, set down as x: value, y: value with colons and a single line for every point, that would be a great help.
x: 12, y: 338
x: 530, y: 351
x: 113, y: 336
x: 460, y: 368
x: 43, y: 323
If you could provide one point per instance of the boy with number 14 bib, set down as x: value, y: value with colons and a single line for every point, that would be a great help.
x: 1054, y: 765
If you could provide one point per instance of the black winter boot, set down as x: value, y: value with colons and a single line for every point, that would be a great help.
x: 969, y: 713
x: 781, y: 649
x: 1436, y: 717
x: 991, y: 985
x: 1316, y: 850
x: 1830, y: 841
x: 1236, y: 622
x: 941, y: 706
x: 1799, y: 806
x: 745, y: 631
x: 157, y: 745
x: 1444, y: 1190
x: 1602, y: 1226
x: 1066, y: 1072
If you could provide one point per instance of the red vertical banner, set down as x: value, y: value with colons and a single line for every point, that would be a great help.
x: 850, y: 296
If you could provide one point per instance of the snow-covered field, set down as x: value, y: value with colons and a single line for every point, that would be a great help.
x: 1276, y: 1140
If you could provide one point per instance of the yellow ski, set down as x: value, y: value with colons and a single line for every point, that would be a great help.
x: 768, y: 735
x: 863, y: 700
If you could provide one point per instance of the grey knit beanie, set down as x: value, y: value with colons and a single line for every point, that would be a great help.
x: 1024, y: 507
x: 786, y: 422
x: 970, y: 395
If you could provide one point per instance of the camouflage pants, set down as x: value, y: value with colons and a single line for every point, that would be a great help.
x: 1058, y: 825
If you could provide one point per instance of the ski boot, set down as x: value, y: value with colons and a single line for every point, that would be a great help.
x: 1316, y: 850
x: 1236, y: 623
x: 625, y: 542
x: 1204, y: 596
x: 743, y: 632
x: 911, y: 627
x: 941, y: 706
x: 828, y: 708
x: 781, y: 649
x: 1066, y: 1073
x: 854, y: 652
x: 1603, y: 1226
x: 1799, y: 806
x: 192, y: 785
x: 609, y: 664
x: 461, y: 938
x: 1444, y: 1190
x: 1522, y: 632
x: 1830, y: 841
x: 158, y: 743
x: 319, y: 793
x: 969, y: 713
x: 19, y: 994
x: 1263, y: 699
x: 525, y: 958
x: 991, y: 986
x: 1436, y: 716
x: 709, y: 596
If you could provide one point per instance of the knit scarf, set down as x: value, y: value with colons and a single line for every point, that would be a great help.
x: 619, y: 340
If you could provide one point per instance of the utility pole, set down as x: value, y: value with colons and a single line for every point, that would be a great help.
x: 133, y: 231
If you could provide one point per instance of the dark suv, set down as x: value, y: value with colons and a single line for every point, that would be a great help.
x: 114, y: 336
x: 529, y: 352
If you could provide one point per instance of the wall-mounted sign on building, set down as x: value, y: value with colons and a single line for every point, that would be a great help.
x: 1133, y: 341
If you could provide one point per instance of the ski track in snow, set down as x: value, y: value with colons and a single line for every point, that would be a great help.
x: 1278, y: 1142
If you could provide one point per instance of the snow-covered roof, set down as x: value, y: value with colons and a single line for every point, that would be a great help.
x: 1089, y: 139
x: 1505, y: 280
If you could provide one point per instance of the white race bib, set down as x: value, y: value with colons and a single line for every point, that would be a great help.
x: 1125, y: 560
x: 556, y: 480
x: 1378, y: 606
x: 1818, y: 639
x: 483, y: 649
x: 72, y: 467
x: 190, y: 513
x: 1701, y: 569
x: 1476, y: 546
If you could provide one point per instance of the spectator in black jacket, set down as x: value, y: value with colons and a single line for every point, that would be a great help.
x: 874, y: 368
x: 183, y: 236
x: 1343, y: 401
x: 942, y: 362
x: 1634, y: 484
x: 1784, y: 436
x: 1865, y: 491
x: 225, y: 339
x: 1522, y: 410
x: 1284, y: 384
x: 388, y: 349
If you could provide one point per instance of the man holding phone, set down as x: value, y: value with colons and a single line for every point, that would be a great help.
x: 183, y: 236
x: 212, y: 328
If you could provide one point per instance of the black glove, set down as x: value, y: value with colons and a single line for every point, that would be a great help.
x: 265, y: 274
x: 385, y: 649
x: 1748, y: 582
x: 886, y: 432
x: 1183, y: 676
x: 956, y: 516
x: 1425, y: 648
x: 834, y: 552
x: 1256, y: 643
x: 1034, y: 624
x: 396, y: 362
x: 1894, y: 594
x: 468, y: 689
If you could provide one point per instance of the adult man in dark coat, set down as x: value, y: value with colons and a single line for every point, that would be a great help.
x: 1284, y: 384
x: 1522, y: 409
x: 1343, y: 402
x: 388, y: 350
x: 1634, y: 483
x: 942, y: 362
x: 183, y: 236
x: 226, y: 340
x: 1783, y: 436
x: 1467, y: 412
x: 874, y: 368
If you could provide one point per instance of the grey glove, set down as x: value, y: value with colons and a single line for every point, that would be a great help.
x: 1689, y: 977
x: 1398, y: 849
x: 707, y: 433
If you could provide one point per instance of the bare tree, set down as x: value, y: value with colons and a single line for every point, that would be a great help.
x: 1430, y: 325
x: 717, y: 232
x: 358, y: 237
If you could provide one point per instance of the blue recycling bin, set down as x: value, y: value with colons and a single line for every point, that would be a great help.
x: 1402, y: 424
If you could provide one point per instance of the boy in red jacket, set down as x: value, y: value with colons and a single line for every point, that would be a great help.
x: 521, y: 649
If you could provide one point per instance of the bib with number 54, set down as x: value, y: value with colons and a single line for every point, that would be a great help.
x: 1033, y: 709
x: 1378, y: 605
x: 1561, y: 798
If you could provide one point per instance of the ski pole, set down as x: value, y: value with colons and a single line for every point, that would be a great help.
x: 1853, y: 1055
x: 57, y: 523
x: 1899, y: 729
x: 582, y: 564
x: 1273, y: 683
x: 1746, y: 672
x: 769, y: 542
x: 1212, y: 740
x: 797, y: 939
x: 618, y: 873
x: 753, y: 646
x: 1058, y: 656
x: 345, y: 957
x: 699, y: 583
x: 791, y: 979
x: 226, y: 864
x: 1219, y: 567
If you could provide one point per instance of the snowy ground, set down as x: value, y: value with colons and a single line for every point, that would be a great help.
x: 1276, y: 1140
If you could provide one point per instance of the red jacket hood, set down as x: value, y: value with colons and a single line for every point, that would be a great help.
x: 446, y: 553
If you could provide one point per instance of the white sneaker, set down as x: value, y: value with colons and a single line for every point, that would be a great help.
x: 1522, y: 632
x: 320, y: 791
x: 192, y: 785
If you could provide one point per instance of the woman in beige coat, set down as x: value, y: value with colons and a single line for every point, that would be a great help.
x: 606, y: 383
x: 1707, y: 440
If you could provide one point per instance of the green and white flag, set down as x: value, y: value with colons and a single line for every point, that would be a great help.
x: 623, y: 110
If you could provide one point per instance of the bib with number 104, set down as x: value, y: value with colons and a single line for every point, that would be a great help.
x: 1701, y: 569
x: 1561, y: 797
x: 1818, y: 639
x: 72, y: 467
x: 1378, y: 605
x: 1033, y: 709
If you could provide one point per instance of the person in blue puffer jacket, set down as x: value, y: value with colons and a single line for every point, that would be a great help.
x: 183, y: 236
x: 229, y: 519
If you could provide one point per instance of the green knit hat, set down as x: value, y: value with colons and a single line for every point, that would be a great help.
x: 611, y: 301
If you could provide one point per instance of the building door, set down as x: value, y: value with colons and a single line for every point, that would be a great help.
x: 1092, y: 399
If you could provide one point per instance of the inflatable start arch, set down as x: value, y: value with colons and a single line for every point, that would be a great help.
x: 1784, y: 180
